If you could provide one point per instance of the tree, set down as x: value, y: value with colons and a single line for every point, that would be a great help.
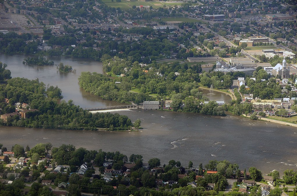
x: 74, y: 190
x: 137, y: 123
x: 255, y: 174
x: 190, y: 165
x: 27, y: 148
x: 6, y: 159
x: 18, y: 150
x: 275, y: 192
x: 35, y: 158
x: 48, y: 147
x: 147, y: 179
x: 275, y: 175
x: 254, y: 116
x: 154, y: 162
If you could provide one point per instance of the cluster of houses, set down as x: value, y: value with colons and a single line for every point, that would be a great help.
x: 21, y: 110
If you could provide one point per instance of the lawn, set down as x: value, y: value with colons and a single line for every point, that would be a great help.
x: 289, y: 119
x: 135, y: 90
x: 129, y: 4
x: 260, y: 47
x: 290, y: 193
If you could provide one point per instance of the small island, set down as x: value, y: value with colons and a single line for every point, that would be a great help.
x: 65, y: 68
x: 38, y: 60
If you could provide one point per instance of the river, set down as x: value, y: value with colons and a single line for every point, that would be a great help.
x: 166, y: 135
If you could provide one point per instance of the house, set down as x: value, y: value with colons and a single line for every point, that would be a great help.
x: 129, y: 165
x: 46, y: 182
x: 82, y: 170
x: 268, y: 179
x: 60, y: 193
x: 181, y: 176
x: 8, y: 153
x: 193, y: 184
x: 106, y: 164
x: 167, y: 104
x: 5, y: 117
x: 249, y: 183
x: 242, y: 188
x: 210, y: 186
x: 24, y: 113
x: 151, y: 105
x: 247, y: 97
x: 211, y: 172
x: 62, y: 185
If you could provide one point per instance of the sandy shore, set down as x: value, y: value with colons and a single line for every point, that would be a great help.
x: 279, y: 122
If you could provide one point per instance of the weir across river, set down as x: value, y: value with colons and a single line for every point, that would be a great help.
x: 134, y: 106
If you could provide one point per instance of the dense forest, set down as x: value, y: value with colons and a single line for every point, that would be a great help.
x: 46, y: 110
x: 12, y: 43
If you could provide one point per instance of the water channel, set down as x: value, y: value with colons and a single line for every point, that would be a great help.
x: 166, y: 135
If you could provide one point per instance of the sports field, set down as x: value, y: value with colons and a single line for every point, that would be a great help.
x: 129, y: 4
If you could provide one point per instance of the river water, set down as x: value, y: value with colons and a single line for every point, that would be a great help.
x: 166, y: 135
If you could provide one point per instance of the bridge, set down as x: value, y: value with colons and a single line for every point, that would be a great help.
x: 134, y: 106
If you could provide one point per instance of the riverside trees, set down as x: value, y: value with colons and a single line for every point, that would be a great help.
x: 45, y: 110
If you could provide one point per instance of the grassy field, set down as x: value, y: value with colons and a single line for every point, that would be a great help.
x: 290, y: 119
x: 129, y: 4
x: 260, y: 47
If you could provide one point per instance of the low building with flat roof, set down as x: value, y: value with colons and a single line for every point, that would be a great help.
x: 215, y: 17
x: 151, y: 105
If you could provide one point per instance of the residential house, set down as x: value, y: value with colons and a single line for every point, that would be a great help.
x: 129, y: 165
x: 46, y: 182
x: 211, y: 172
x: 249, y: 183
x: 60, y: 193
x: 5, y: 117
x: 210, y: 186
x: 62, y: 185
x: 8, y: 153
x: 83, y: 168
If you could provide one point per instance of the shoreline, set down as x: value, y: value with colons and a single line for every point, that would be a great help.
x: 278, y: 122
x: 273, y: 121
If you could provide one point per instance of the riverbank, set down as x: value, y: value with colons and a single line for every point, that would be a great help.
x: 273, y: 121
x: 220, y: 91
x: 278, y: 122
